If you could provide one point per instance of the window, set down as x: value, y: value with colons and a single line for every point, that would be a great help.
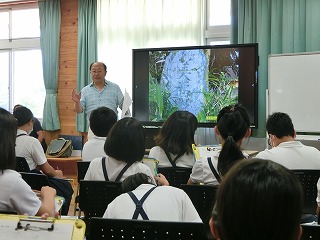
x: 218, y: 22
x: 21, y: 79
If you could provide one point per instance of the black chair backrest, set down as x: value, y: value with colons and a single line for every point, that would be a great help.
x: 103, y: 228
x: 82, y: 169
x: 94, y: 196
x: 202, y: 197
x: 176, y: 176
x: 35, y: 181
x: 310, y: 231
x: 22, y: 165
x: 309, y: 179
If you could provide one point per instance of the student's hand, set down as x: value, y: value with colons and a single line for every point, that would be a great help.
x: 59, y: 173
x: 47, y: 191
x: 161, y: 180
x: 75, y: 96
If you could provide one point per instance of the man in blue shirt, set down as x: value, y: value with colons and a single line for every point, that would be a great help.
x: 98, y: 93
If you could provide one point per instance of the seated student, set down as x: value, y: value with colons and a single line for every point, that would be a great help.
x: 101, y: 121
x: 16, y: 195
x: 233, y: 126
x: 257, y: 200
x: 285, y: 150
x: 31, y: 149
x: 125, y: 147
x: 163, y: 203
x: 174, y: 141
x: 37, y: 131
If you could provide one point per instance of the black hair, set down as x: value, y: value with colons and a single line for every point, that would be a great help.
x: 258, y: 199
x: 177, y: 133
x: 126, y: 140
x: 233, y: 123
x: 101, y: 121
x: 134, y: 181
x: 104, y: 66
x: 23, y: 115
x: 280, y: 125
x: 8, y: 132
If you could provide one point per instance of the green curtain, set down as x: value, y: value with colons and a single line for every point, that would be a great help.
x: 50, y: 17
x: 278, y: 26
x: 87, y: 49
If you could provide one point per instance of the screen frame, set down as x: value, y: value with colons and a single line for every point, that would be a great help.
x: 138, y: 65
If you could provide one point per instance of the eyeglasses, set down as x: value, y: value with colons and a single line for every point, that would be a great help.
x: 97, y: 72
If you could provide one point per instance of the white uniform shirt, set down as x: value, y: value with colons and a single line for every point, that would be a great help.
x: 16, y: 195
x: 30, y: 148
x: 293, y: 155
x: 201, y: 171
x: 164, y: 203
x: 114, y: 167
x: 186, y: 160
x: 93, y: 148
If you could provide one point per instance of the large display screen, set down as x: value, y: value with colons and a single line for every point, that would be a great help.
x: 198, y: 79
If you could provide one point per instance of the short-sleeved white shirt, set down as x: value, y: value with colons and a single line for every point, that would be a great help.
x: 293, y: 155
x: 16, y: 195
x: 93, y: 148
x: 30, y: 148
x: 114, y: 167
x: 186, y: 160
x: 164, y: 203
x: 201, y: 171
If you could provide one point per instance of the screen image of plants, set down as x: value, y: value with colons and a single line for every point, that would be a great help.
x: 201, y: 81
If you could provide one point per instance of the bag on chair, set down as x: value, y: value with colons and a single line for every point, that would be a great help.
x: 59, y: 148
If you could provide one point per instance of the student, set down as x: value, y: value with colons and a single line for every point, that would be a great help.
x: 233, y: 126
x: 163, y: 203
x: 125, y: 147
x: 101, y: 121
x: 31, y: 149
x: 16, y: 195
x: 285, y: 150
x: 257, y: 200
x: 174, y: 141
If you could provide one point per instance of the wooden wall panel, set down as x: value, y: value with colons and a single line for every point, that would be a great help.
x: 67, y: 69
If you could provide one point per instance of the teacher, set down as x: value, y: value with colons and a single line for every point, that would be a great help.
x: 99, y: 93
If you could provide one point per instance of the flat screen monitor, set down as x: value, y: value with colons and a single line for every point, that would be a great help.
x: 198, y: 79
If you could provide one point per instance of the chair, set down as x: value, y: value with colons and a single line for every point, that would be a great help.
x: 22, y: 165
x: 310, y: 231
x: 176, y: 176
x: 309, y: 179
x: 103, y: 228
x: 202, y: 197
x: 94, y: 197
x: 35, y: 181
x: 82, y: 170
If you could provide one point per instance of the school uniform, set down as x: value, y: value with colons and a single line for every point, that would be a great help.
x: 113, y: 168
x: 16, y: 195
x: 164, y: 203
x: 94, y: 148
x: 186, y: 160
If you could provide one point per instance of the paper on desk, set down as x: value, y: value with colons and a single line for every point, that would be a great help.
x: 126, y: 104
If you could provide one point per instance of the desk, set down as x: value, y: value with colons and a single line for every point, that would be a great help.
x: 67, y: 165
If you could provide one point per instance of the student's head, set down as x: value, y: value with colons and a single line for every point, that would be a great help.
x: 258, y: 199
x: 280, y: 125
x: 101, y: 121
x: 134, y: 181
x: 233, y: 125
x: 24, y: 117
x: 177, y: 133
x: 8, y: 132
x: 126, y: 141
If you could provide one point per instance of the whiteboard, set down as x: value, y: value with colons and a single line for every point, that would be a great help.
x: 294, y: 88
